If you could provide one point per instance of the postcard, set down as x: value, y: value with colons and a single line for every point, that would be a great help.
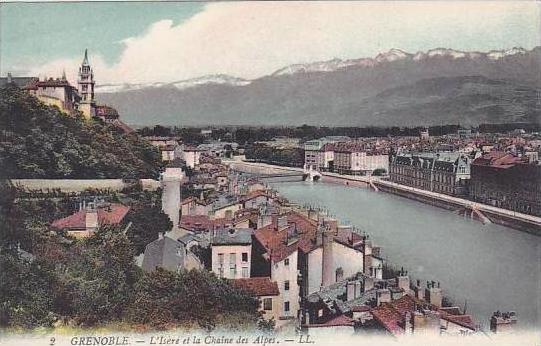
x: 270, y: 173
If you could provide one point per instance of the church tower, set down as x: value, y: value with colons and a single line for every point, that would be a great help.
x: 86, y: 88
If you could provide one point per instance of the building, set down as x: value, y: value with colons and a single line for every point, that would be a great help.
x: 90, y: 217
x: 19, y: 82
x: 55, y: 92
x: 446, y: 173
x: 191, y: 156
x: 266, y: 292
x: 316, y: 156
x: 231, y: 252
x: 169, y: 254
x: 86, y: 88
x: 170, y: 181
x: 109, y: 115
x: 353, y: 158
x: 507, y: 181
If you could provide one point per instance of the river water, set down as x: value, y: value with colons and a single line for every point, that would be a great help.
x: 491, y: 266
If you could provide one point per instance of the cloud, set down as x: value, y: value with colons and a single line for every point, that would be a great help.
x: 252, y: 39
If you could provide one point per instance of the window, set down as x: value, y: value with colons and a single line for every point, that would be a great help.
x: 232, y: 272
x: 286, y: 262
x: 232, y: 259
x: 267, y: 304
x: 286, y: 285
x: 286, y: 306
x: 221, y: 259
x: 245, y: 256
x: 320, y: 313
x: 245, y: 272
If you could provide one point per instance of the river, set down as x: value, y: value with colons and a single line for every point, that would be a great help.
x: 491, y: 266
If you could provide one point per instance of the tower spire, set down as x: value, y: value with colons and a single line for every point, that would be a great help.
x: 64, y: 74
x: 85, y: 60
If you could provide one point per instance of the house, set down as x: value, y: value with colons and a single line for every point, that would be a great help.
x: 231, y: 252
x: 191, y: 155
x: 170, y: 254
x: 90, y: 217
x: 266, y: 292
x: 305, y: 253
x: 257, y: 198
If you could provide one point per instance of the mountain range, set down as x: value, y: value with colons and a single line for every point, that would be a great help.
x: 394, y: 88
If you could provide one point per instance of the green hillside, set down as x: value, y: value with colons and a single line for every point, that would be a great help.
x: 39, y: 141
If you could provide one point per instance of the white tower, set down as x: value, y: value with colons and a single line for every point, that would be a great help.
x: 86, y: 88
x: 170, y: 181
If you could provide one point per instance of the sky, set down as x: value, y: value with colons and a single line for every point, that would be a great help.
x: 145, y: 42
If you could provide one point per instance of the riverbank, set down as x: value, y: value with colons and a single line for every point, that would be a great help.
x: 491, y: 266
x: 481, y: 212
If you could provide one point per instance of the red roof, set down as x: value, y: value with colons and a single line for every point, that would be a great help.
x: 258, y: 286
x: 389, y: 318
x: 275, y: 242
x: 338, y: 321
x: 392, y: 315
x: 112, y: 214
x: 497, y: 159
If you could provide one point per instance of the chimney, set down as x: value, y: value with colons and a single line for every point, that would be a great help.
x: 433, y: 295
x: 368, y: 283
x: 358, y: 289
x: 418, y: 290
x: 91, y: 219
x: 350, y: 291
x: 327, y: 260
x: 383, y: 295
x: 367, y: 253
x: 281, y: 223
x: 503, y: 322
x: 404, y: 282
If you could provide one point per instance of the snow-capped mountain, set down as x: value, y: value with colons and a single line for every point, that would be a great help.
x: 220, y: 79
x: 211, y: 79
x: 437, y: 86
x: 396, y: 54
x: 335, y: 64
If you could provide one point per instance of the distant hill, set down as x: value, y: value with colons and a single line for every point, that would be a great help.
x: 38, y: 141
x: 394, y: 88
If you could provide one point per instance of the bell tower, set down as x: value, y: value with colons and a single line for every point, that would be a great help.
x: 86, y: 88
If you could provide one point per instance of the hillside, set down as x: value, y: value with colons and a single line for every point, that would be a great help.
x: 353, y: 93
x: 38, y: 141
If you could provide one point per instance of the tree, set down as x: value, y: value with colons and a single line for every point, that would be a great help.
x: 39, y: 141
x: 190, y: 298
x: 147, y: 221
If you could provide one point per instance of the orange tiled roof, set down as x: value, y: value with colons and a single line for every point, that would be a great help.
x: 275, y: 242
x: 112, y: 214
x: 260, y: 286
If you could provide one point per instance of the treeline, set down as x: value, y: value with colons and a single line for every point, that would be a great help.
x: 249, y: 135
x: 39, y: 141
x: 505, y: 128
x: 293, y: 157
x: 50, y: 280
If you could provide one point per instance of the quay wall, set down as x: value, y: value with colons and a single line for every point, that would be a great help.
x: 522, y: 222
x: 79, y: 185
